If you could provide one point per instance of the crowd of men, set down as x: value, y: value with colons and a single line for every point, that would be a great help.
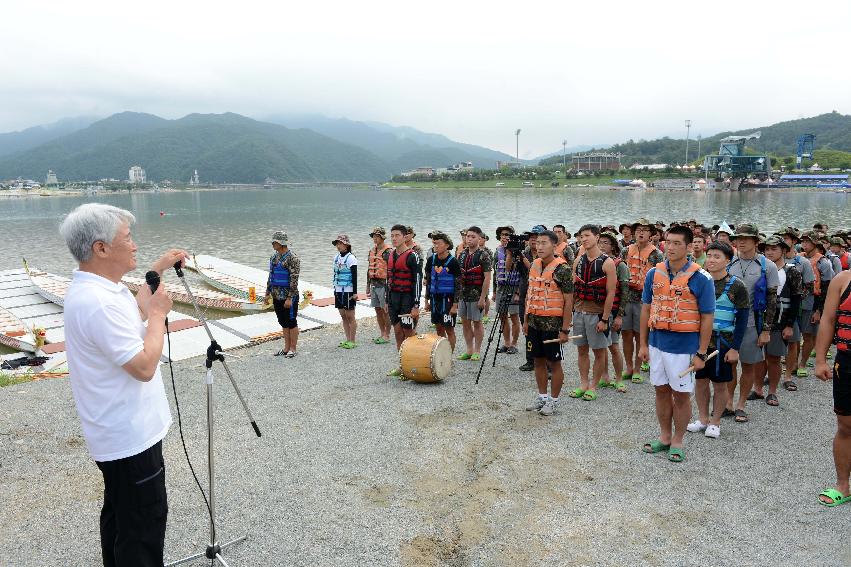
x: 705, y: 310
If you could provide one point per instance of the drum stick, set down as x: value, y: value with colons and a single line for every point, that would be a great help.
x: 551, y: 341
x: 691, y: 368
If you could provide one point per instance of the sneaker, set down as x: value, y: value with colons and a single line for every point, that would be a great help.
x: 502, y: 349
x: 290, y: 354
x: 528, y: 367
x: 549, y: 408
x: 511, y: 350
x: 537, y: 404
x: 696, y: 426
x: 713, y: 431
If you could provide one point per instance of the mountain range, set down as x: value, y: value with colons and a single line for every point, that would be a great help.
x: 228, y: 148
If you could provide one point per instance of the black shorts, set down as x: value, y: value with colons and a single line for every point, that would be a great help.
x: 440, y: 315
x: 716, y: 369
x: 286, y: 316
x: 842, y: 383
x: 345, y: 300
x: 400, y: 304
x: 536, y: 347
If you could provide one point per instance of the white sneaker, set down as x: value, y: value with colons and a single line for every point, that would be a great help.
x: 696, y: 426
x: 537, y: 404
x: 713, y: 431
x: 549, y: 407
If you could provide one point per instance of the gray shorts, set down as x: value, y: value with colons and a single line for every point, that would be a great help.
x: 632, y: 317
x: 378, y: 296
x: 796, y: 333
x: 614, y: 337
x: 776, y: 346
x: 469, y: 310
x: 750, y: 353
x: 808, y: 328
x: 585, y: 324
x: 513, y: 306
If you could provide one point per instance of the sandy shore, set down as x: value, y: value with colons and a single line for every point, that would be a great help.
x: 355, y: 468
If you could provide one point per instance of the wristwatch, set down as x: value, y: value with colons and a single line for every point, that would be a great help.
x: 701, y: 356
x: 565, y: 331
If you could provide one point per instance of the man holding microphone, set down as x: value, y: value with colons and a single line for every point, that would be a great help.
x: 113, y: 359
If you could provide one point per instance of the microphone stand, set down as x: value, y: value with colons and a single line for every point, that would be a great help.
x: 213, y: 552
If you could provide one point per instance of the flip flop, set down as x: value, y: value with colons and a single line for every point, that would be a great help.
x: 837, y: 497
x: 728, y: 413
x: 741, y: 416
x: 475, y: 356
x: 589, y: 395
x: 397, y: 372
x: 577, y: 393
x: 790, y: 386
x: 810, y: 364
x: 676, y: 455
x: 637, y: 379
x: 655, y: 446
x: 772, y: 400
x: 645, y: 367
x: 801, y: 373
x: 754, y: 396
x: 625, y: 375
x: 465, y: 356
x: 381, y: 341
x: 621, y: 387
x: 605, y: 384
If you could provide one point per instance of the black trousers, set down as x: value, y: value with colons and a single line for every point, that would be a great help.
x: 133, y: 518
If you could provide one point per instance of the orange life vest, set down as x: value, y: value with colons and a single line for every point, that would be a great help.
x: 843, y: 261
x: 842, y: 330
x: 674, y: 306
x: 559, y: 250
x: 814, y: 263
x: 377, y: 263
x: 638, y: 266
x: 545, y: 297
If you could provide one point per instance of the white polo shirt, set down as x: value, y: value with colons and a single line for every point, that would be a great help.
x: 121, y: 416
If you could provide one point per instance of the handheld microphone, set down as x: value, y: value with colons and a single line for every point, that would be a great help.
x: 153, y: 280
x: 178, y: 269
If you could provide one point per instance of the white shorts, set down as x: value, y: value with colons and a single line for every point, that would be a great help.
x: 665, y: 370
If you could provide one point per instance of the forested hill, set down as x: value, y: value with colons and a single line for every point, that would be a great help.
x: 832, y: 130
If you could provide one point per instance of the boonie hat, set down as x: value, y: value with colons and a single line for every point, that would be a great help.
x: 746, y: 230
x: 499, y: 230
x: 280, y: 237
x: 438, y: 235
x: 344, y: 238
x: 616, y: 246
x: 644, y: 222
x: 410, y: 230
x: 837, y: 241
x: 776, y: 240
x: 379, y: 230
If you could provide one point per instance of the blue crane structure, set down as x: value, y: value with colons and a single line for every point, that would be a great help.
x: 731, y: 160
x: 806, y: 147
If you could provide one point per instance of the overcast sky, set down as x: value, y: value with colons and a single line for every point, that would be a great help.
x: 592, y: 72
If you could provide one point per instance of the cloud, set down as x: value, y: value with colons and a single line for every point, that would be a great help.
x: 473, y: 70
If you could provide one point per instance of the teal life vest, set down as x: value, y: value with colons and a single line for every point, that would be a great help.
x: 280, y: 276
x: 725, y: 311
x: 342, y: 272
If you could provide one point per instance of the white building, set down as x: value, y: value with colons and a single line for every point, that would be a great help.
x: 51, y: 178
x: 137, y: 174
x: 195, y: 180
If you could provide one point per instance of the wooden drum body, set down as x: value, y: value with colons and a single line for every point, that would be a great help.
x: 425, y: 358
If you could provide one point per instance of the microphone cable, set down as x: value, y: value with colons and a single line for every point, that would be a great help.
x: 180, y: 429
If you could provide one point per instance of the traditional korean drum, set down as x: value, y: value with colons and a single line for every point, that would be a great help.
x: 425, y: 358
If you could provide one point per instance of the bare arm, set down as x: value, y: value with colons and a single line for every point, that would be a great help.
x: 611, y: 287
x: 143, y: 366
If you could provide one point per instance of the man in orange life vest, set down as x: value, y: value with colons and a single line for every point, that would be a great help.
x: 376, y: 282
x: 595, y: 282
x: 549, y: 308
x: 404, y: 281
x: 640, y: 258
x: 835, y: 327
x: 678, y: 305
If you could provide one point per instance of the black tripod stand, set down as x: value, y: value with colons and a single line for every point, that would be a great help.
x: 213, y: 552
x: 507, y: 293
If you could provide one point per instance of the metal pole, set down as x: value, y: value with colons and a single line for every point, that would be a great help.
x: 564, y: 155
x: 688, y: 130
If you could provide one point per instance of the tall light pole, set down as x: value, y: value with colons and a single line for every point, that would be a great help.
x: 517, y: 135
x: 688, y: 131
x: 564, y: 155
x: 698, y: 146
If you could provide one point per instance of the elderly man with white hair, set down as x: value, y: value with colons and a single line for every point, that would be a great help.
x: 113, y: 359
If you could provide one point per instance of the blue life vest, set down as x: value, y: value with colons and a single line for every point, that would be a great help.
x: 760, y: 289
x: 280, y: 274
x: 504, y: 277
x: 442, y: 280
x: 725, y: 311
x: 342, y: 272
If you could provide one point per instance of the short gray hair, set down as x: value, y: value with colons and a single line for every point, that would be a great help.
x: 90, y: 223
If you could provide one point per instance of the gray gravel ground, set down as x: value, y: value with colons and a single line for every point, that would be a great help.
x: 355, y: 468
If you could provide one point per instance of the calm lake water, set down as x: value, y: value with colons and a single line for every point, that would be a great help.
x: 237, y: 225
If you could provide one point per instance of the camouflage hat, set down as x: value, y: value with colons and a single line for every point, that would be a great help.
x: 280, y: 237
x: 837, y: 241
x: 811, y: 235
x: 499, y: 230
x: 775, y: 240
x: 380, y: 231
x: 790, y: 231
x: 439, y: 235
x: 644, y: 222
x: 613, y: 237
x: 746, y: 230
x: 344, y: 238
x: 410, y: 230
